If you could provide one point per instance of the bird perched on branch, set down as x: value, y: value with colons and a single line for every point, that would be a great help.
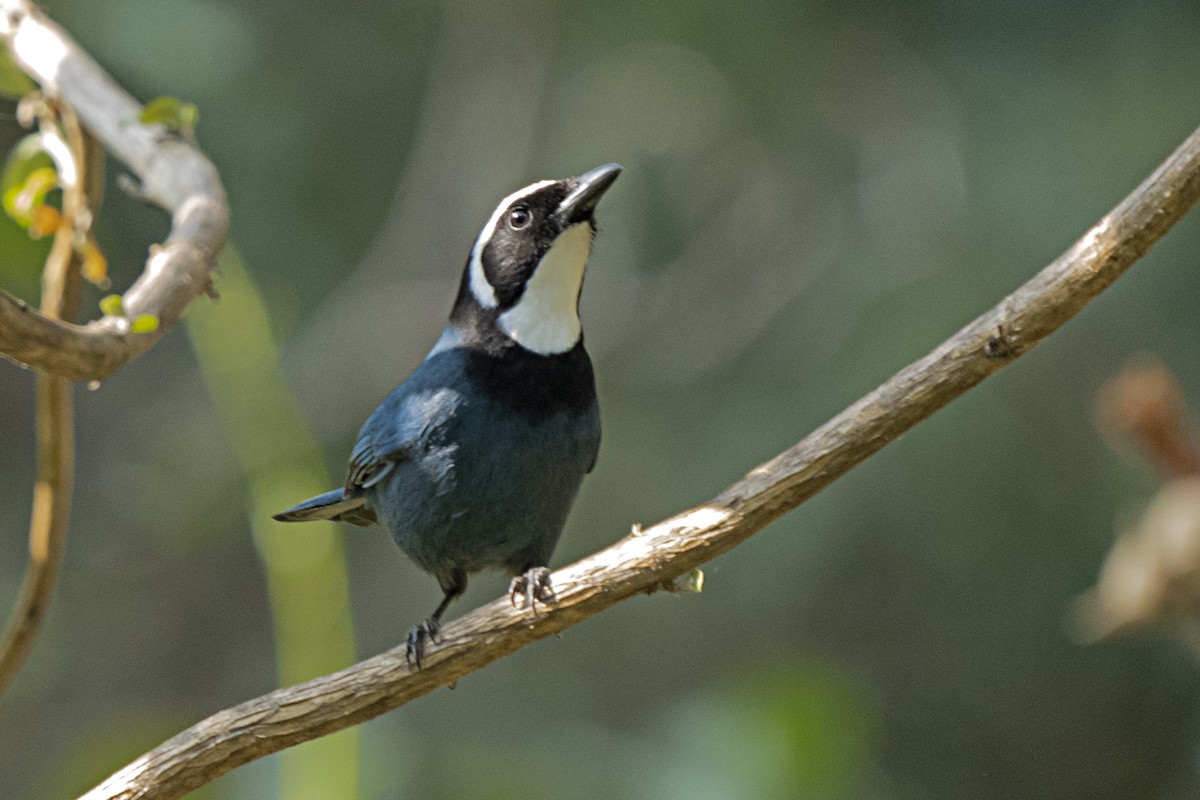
x: 474, y: 460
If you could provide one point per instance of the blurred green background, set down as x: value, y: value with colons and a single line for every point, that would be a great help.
x: 815, y: 194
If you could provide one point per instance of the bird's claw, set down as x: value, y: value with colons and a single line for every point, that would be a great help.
x: 414, y: 645
x: 532, y: 585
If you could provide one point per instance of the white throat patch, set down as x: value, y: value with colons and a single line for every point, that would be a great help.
x: 480, y: 287
x: 546, y: 318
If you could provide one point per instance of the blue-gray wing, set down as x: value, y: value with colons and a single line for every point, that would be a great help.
x: 403, y: 426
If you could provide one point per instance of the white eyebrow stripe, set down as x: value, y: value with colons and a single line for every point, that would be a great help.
x: 484, y: 292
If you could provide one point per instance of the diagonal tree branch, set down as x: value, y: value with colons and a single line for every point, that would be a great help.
x: 175, y: 176
x: 653, y: 558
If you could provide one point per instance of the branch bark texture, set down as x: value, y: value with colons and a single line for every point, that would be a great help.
x: 652, y: 558
x: 174, y: 175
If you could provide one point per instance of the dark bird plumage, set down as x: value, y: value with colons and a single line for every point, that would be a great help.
x: 474, y: 460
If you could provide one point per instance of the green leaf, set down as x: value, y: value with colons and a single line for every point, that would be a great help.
x: 23, y: 183
x: 113, y: 306
x: 144, y: 323
x: 189, y: 116
x: 13, y: 82
x: 172, y: 113
x: 23, y: 202
x: 21, y: 258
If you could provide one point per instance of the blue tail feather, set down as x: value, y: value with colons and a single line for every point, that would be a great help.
x: 332, y: 505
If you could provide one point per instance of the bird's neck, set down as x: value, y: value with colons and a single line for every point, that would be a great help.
x: 545, y: 319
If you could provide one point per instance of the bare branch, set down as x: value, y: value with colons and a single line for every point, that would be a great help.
x: 174, y: 175
x: 55, y: 423
x: 653, y: 558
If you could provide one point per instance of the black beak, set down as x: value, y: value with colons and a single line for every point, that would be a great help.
x: 581, y: 202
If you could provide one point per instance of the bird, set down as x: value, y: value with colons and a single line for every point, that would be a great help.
x: 474, y: 460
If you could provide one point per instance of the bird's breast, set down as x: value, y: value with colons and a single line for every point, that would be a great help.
x: 531, y: 386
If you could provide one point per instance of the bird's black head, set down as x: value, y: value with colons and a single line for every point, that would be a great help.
x: 526, y: 269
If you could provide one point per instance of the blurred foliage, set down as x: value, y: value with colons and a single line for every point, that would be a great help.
x: 144, y: 323
x: 28, y: 176
x: 28, y: 183
x: 305, y: 568
x: 815, y: 194
x: 13, y: 82
x: 173, y: 114
x: 113, y: 305
x: 804, y: 731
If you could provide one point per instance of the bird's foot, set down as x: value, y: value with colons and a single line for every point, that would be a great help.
x: 414, y: 646
x: 532, y: 585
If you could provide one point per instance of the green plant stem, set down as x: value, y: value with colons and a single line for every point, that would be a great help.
x: 304, y: 564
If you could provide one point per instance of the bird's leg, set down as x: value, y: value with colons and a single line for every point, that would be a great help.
x: 428, y: 631
x: 531, y: 585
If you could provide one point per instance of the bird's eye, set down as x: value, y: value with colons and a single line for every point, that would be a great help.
x: 519, y: 218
